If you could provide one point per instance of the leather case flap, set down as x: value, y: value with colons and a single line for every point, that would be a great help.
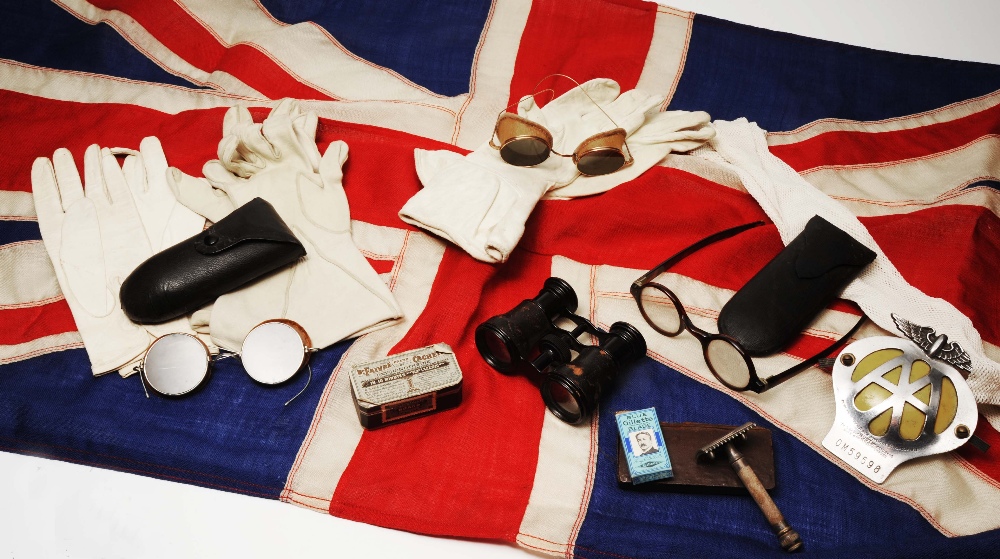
x: 828, y: 248
x: 683, y: 440
x: 780, y: 301
x: 256, y: 221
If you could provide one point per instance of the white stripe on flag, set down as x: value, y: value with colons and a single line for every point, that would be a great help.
x: 948, y: 113
x: 40, y: 346
x: 17, y: 206
x: 667, y: 52
x: 156, y: 51
x: 26, y: 276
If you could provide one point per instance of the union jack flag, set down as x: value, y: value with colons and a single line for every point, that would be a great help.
x: 907, y: 143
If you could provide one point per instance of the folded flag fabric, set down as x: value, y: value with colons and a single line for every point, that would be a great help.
x: 906, y: 143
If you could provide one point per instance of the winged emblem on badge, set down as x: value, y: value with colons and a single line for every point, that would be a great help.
x: 937, y: 347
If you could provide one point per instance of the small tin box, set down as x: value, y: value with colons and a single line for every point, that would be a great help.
x: 406, y: 386
x: 643, y: 442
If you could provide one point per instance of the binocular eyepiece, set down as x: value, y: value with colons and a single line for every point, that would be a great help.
x: 574, y: 374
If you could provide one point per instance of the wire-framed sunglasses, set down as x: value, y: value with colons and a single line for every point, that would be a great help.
x: 725, y: 357
x: 525, y: 143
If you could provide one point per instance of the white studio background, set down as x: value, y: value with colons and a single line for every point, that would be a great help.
x: 51, y: 509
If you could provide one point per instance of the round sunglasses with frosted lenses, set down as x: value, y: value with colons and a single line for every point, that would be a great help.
x: 524, y: 151
x: 660, y: 308
x: 730, y: 365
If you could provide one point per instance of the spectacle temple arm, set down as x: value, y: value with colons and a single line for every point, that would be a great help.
x: 673, y: 260
x: 781, y: 377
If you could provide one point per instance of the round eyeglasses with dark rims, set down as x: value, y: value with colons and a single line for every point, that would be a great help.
x: 725, y: 357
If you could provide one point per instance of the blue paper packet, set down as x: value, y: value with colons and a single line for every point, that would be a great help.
x: 644, y: 449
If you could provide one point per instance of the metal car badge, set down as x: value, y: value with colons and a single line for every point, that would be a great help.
x: 899, y: 399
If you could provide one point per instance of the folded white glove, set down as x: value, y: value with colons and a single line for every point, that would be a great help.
x: 94, y: 238
x: 332, y: 292
x: 481, y: 203
x: 880, y: 290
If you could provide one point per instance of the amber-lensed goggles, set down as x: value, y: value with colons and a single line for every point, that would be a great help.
x: 525, y: 143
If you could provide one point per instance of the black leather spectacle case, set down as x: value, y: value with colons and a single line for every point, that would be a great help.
x: 766, y: 314
x: 246, y: 244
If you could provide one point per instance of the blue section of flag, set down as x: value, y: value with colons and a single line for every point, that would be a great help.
x: 833, y: 512
x: 43, y: 34
x: 430, y: 42
x: 17, y: 231
x: 232, y: 434
x: 783, y: 81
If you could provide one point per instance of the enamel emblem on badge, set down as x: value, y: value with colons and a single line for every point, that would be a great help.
x: 898, y: 400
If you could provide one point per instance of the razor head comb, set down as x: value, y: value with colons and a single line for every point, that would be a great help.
x: 740, y: 433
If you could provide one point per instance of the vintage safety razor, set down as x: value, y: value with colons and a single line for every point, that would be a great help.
x: 726, y: 446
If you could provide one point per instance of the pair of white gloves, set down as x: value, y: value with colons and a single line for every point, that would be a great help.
x: 96, y: 236
x: 481, y: 203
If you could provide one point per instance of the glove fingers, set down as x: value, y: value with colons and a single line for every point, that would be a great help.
x: 93, y: 174
x: 332, y: 163
x: 154, y: 163
x: 236, y: 117
x: 198, y: 195
x: 67, y: 178
x: 48, y: 206
x: 135, y: 176
x: 293, y: 136
x: 325, y: 206
x: 115, y: 185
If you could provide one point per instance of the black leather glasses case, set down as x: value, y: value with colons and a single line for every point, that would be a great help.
x: 782, y: 299
x: 246, y: 244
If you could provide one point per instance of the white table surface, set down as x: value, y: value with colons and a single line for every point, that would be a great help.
x: 55, y: 509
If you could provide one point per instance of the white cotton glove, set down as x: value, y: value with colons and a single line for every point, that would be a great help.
x: 332, y: 292
x: 94, y: 238
x: 165, y: 220
x: 481, y: 203
x: 880, y: 290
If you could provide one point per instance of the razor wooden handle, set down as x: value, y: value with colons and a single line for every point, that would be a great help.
x: 787, y: 537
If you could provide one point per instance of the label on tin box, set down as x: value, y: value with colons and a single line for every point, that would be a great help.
x: 405, y: 375
x: 644, y: 449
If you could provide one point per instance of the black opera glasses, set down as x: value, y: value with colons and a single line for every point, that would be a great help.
x: 573, y: 373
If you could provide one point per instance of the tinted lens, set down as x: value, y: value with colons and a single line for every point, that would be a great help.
x: 561, y: 402
x: 175, y: 364
x: 600, y: 161
x: 525, y: 152
x: 272, y: 352
x: 660, y: 310
x: 728, y: 363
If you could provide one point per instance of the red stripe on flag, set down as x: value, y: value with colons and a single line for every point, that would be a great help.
x: 193, y: 41
x: 567, y: 37
x: 27, y: 324
x: 431, y: 475
x: 189, y: 138
x: 871, y: 148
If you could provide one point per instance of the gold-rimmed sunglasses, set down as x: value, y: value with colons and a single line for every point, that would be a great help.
x: 525, y: 143
x: 726, y: 358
